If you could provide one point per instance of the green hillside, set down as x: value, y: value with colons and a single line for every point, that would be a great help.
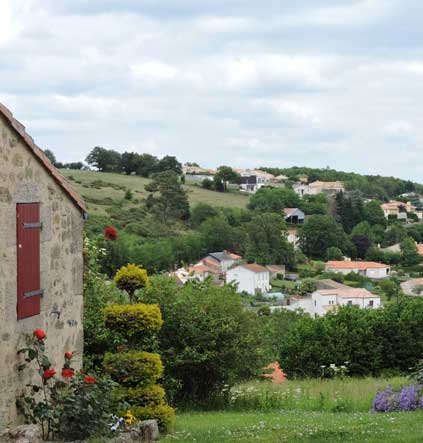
x: 102, y: 189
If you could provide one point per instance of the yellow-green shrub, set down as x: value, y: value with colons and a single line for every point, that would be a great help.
x: 133, y: 320
x: 163, y: 413
x: 152, y: 395
x: 130, y: 278
x: 134, y: 368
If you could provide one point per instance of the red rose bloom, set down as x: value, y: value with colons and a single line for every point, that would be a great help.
x: 110, y: 233
x: 89, y: 380
x: 39, y: 334
x: 48, y: 373
x: 121, y: 348
x: 68, y: 355
x: 67, y: 373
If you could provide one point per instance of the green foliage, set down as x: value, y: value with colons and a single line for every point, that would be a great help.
x: 134, y: 369
x: 218, y: 234
x: 319, y: 233
x: 130, y: 278
x: 167, y: 198
x: 223, y: 176
x: 307, y: 286
x: 133, y: 321
x: 164, y: 414
x: 334, y: 253
x: 409, y: 253
x: 201, y: 212
x: 393, y: 235
x: 152, y: 395
x: 390, y: 288
x: 373, y: 213
x: 267, y: 243
x: 372, y: 341
x: 273, y: 200
x: 208, y: 339
x: 314, y: 204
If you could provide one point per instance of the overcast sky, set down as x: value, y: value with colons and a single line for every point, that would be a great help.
x: 240, y: 82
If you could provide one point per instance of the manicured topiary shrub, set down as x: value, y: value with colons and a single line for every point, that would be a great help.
x: 134, y: 368
x: 152, y: 395
x: 130, y: 278
x: 133, y: 320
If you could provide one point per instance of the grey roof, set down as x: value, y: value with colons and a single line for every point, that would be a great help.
x: 220, y: 256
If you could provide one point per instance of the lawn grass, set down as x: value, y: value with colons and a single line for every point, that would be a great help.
x: 98, y: 199
x: 318, y: 411
x: 339, y: 395
x: 297, y: 427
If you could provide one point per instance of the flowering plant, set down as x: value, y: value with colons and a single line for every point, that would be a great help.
x: 60, y: 405
x: 408, y: 398
x: 110, y: 233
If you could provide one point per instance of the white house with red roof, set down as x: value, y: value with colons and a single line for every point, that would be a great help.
x: 326, y: 300
x: 250, y: 278
x: 366, y: 268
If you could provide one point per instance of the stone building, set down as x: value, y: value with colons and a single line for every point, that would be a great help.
x: 41, y: 259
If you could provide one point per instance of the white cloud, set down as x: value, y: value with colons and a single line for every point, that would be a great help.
x: 153, y: 70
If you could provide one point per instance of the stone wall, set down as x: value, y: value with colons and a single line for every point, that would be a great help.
x: 23, y: 180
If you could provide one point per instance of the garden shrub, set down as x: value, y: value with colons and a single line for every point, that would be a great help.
x: 163, y: 413
x: 130, y: 278
x: 133, y: 320
x: 134, y: 368
x: 152, y: 395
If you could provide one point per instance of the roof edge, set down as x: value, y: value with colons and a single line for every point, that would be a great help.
x: 19, y: 128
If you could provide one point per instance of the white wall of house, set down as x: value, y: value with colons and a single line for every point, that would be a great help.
x: 321, y: 303
x: 249, y: 281
x: 376, y: 273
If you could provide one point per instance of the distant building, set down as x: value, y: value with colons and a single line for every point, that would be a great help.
x: 253, y: 179
x: 223, y: 260
x: 294, y: 216
x: 250, y: 278
x: 323, y: 300
x: 275, y: 270
x: 400, y: 210
x: 318, y: 187
x: 367, y: 269
x: 293, y: 237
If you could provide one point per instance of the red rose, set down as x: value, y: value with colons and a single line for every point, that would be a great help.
x: 110, y: 233
x: 89, y: 380
x: 48, y: 373
x: 121, y: 348
x: 39, y: 334
x: 68, y: 355
x: 67, y: 373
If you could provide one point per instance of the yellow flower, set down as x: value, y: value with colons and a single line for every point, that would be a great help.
x: 129, y: 418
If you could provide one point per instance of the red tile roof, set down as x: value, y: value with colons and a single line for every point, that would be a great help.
x: 354, y: 265
x: 19, y: 128
x: 420, y: 248
x: 348, y: 292
x: 254, y: 267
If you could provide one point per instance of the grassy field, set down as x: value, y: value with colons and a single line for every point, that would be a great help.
x: 297, y: 427
x: 318, y: 411
x: 101, y: 189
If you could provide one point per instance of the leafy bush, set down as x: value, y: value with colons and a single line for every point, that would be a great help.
x: 130, y: 278
x: 134, y: 368
x: 133, y: 321
x: 145, y: 396
x: 208, y: 340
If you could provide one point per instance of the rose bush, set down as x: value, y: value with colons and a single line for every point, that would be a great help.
x: 74, y: 407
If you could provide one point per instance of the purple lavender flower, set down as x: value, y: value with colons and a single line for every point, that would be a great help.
x: 407, y: 399
x: 386, y: 401
x: 421, y: 402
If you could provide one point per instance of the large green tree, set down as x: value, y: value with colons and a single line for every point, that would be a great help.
x: 266, y: 241
x: 273, y: 200
x: 167, y: 198
x: 321, y: 232
x: 105, y: 160
x: 225, y: 175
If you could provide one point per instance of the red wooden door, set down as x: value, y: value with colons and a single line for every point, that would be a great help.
x: 28, y: 229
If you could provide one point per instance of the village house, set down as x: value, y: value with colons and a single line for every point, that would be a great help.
x: 400, y: 210
x: 276, y: 271
x: 41, y: 266
x: 318, y: 187
x: 326, y: 300
x: 253, y: 179
x: 368, y: 269
x: 222, y: 260
x: 413, y: 287
x: 250, y: 278
x: 329, y: 296
x: 294, y: 216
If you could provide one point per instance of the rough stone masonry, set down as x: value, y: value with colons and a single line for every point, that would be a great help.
x: 25, y: 177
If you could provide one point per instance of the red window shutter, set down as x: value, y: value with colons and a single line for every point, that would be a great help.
x: 28, y: 229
